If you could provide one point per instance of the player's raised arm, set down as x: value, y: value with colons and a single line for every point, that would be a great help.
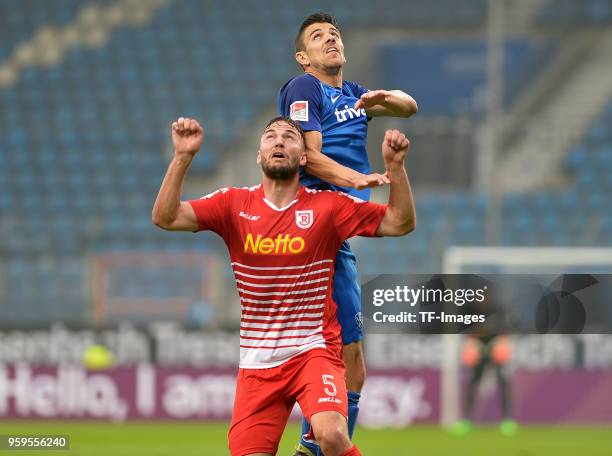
x: 320, y: 165
x: 306, y: 91
x: 169, y: 212
x: 392, y: 103
x: 400, y: 216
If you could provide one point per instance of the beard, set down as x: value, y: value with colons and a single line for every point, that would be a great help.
x: 280, y: 172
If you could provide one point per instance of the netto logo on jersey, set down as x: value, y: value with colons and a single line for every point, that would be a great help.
x: 282, y: 244
x: 341, y: 114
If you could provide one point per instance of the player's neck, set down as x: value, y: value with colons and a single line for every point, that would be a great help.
x: 333, y: 79
x: 280, y: 192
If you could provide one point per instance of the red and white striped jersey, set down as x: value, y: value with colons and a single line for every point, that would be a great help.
x: 283, y: 262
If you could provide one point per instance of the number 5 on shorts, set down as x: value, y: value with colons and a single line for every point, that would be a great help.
x: 327, y: 380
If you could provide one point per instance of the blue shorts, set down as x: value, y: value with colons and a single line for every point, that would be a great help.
x: 347, y: 295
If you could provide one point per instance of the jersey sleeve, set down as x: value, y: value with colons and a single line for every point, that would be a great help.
x: 356, y: 217
x: 212, y: 211
x: 301, y: 100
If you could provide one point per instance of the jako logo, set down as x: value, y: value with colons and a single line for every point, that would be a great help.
x: 283, y: 244
x: 350, y: 112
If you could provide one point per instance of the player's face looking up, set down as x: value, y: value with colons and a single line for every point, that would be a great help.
x: 321, y: 47
x: 281, y: 151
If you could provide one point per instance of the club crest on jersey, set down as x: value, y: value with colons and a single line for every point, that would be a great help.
x: 299, y: 111
x: 304, y: 219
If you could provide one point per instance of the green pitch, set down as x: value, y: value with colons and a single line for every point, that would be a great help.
x: 171, y: 438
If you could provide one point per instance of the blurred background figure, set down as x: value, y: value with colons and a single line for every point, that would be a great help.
x: 480, y: 353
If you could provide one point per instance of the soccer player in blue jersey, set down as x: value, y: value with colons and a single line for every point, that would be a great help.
x: 334, y: 114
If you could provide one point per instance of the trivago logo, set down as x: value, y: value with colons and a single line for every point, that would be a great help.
x: 342, y: 115
x: 282, y: 244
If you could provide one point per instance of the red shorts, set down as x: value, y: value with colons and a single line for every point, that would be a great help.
x: 265, y: 398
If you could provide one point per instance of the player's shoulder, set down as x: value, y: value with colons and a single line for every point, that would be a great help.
x: 354, y: 88
x: 332, y: 196
x: 232, y: 191
x: 302, y: 83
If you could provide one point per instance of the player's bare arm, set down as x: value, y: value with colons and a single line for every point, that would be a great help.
x: 169, y: 212
x: 323, y: 167
x: 390, y: 103
x: 400, y: 217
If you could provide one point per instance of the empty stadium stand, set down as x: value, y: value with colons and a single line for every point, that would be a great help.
x: 84, y: 143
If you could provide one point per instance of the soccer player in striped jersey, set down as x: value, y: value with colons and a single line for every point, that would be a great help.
x: 334, y: 114
x: 283, y: 238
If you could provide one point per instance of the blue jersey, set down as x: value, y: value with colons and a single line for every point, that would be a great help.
x: 330, y: 110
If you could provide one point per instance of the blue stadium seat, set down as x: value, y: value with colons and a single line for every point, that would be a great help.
x: 563, y: 12
x: 431, y: 71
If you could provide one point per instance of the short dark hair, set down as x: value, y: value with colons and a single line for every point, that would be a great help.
x: 291, y: 122
x: 316, y: 18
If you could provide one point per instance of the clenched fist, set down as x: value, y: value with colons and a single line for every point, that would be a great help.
x: 187, y: 136
x: 394, y: 148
